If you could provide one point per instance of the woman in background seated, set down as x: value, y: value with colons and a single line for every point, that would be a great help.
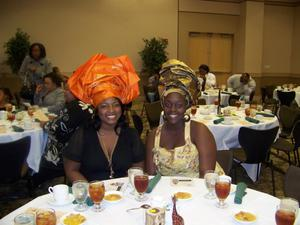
x: 60, y: 130
x: 5, y: 98
x: 107, y: 148
x: 208, y: 79
x: 51, y: 95
x: 179, y: 147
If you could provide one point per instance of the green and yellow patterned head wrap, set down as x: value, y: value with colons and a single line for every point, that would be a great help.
x: 176, y: 76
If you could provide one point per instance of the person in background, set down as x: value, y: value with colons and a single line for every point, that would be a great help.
x: 50, y: 95
x: 108, y: 147
x: 179, y: 147
x: 243, y: 84
x: 208, y: 79
x: 60, y: 130
x: 5, y: 98
x: 34, y: 67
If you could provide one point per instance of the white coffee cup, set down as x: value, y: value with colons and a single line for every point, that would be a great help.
x: 3, y: 115
x: 227, y: 120
x: 229, y: 89
x: 60, y: 193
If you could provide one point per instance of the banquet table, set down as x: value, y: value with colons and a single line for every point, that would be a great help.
x: 226, y: 136
x: 195, y: 211
x: 38, y: 143
x: 297, y: 96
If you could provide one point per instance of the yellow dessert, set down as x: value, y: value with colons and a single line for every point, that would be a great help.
x: 245, y: 216
x: 183, y: 195
x: 74, y: 219
x: 112, y: 197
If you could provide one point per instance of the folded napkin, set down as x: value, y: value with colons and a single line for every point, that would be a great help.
x: 217, y: 121
x: 17, y: 129
x: 153, y: 182
x: 265, y: 114
x: 240, y: 193
x: 251, y: 120
x: 88, y: 201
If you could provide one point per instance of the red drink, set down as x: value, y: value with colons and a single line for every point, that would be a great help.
x: 222, y: 189
x: 284, y: 217
x: 247, y: 112
x: 141, y: 183
x: 96, y: 191
x: 216, y: 102
x: 11, y: 117
x: 238, y: 104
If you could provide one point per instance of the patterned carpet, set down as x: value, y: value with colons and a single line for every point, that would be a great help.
x: 263, y: 184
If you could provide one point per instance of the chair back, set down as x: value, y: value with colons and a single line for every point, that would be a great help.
x: 224, y: 158
x: 291, y: 183
x: 12, y: 157
x: 288, y: 116
x: 257, y: 143
x: 296, y: 134
x: 152, y: 90
x: 286, y: 98
x: 153, y: 112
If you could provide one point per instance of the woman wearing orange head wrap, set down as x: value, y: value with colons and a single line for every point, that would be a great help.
x: 108, y: 148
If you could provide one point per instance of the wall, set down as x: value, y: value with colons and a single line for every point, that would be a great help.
x: 295, y: 63
x: 277, y: 45
x: 74, y: 30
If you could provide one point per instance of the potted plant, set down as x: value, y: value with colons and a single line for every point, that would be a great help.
x: 16, y: 48
x: 153, y: 55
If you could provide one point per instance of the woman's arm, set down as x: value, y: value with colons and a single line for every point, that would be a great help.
x: 206, y: 145
x: 150, y: 166
x: 72, y: 170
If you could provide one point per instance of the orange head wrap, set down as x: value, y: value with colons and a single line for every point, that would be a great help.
x: 102, y: 77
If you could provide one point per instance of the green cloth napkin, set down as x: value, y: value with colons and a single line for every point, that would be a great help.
x: 265, y: 114
x: 240, y: 193
x: 217, y: 121
x: 89, y: 201
x: 17, y: 129
x: 153, y: 182
x: 252, y: 120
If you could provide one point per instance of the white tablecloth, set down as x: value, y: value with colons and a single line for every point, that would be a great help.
x: 210, y: 98
x: 297, y: 96
x: 196, y: 211
x: 38, y: 143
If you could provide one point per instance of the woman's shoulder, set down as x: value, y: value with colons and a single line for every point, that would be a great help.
x: 198, y: 127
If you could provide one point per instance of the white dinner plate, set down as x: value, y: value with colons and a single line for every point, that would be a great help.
x: 52, y: 202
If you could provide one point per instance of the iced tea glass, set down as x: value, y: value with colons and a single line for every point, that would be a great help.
x: 45, y: 217
x: 193, y: 110
x: 285, y: 214
x: 222, y: 189
x: 141, y: 184
x: 210, y: 178
x: 97, y: 191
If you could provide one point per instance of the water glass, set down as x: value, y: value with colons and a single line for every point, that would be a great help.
x: 210, y: 178
x: 80, y: 193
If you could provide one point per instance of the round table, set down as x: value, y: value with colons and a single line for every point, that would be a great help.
x: 38, y: 142
x: 196, y: 211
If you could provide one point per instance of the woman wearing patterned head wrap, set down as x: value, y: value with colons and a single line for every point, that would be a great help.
x: 109, y: 147
x: 180, y: 147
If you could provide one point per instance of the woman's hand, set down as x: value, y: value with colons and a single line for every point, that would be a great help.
x: 39, y: 88
x: 32, y: 68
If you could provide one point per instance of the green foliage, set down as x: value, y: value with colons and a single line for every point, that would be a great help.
x: 154, y: 55
x: 16, y: 48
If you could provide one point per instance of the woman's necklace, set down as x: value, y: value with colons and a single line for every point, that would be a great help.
x: 106, y: 152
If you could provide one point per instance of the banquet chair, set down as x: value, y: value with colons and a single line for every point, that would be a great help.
x: 291, y: 185
x: 147, y: 90
x: 256, y: 145
x: 271, y: 104
x: 287, y: 116
x: 287, y: 146
x: 224, y: 158
x: 153, y: 112
x: 12, y: 160
x: 138, y: 123
x: 286, y: 98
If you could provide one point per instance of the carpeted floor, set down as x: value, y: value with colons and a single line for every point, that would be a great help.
x: 263, y: 184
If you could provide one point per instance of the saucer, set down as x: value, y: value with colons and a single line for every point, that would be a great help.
x: 227, y: 123
x: 52, y: 202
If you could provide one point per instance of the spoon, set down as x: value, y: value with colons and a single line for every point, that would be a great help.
x: 144, y: 206
x: 176, y: 181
